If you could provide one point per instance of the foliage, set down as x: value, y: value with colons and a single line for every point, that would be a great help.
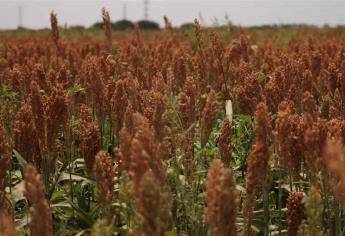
x: 148, y: 25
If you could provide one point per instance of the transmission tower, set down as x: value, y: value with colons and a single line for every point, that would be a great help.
x: 124, y: 11
x: 20, y: 16
x: 146, y: 9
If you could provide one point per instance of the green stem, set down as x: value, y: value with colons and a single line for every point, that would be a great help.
x: 290, y: 181
x: 111, y: 136
x: 280, y: 193
x: 327, y: 205
x: 101, y: 134
x: 266, y: 208
x: 70, y: 171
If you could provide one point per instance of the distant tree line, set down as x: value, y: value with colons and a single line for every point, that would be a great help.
x: 152, y: 25
x: 127, y: 25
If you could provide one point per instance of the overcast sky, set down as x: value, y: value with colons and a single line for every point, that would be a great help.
x: 35, y: 13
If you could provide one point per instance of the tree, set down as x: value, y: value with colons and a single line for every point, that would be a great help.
x: 148, y: 25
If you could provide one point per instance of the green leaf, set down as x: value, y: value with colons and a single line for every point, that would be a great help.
x: 82, y: 232
x: 245, y: 118
x: 228, y: 110
x: 170, y: 233
x: 240, y: 188
x: 57, y: 195
x: 74, y: 89
x: 235, y: 42
x: 262, y: 78
x: 21, y: 161
x: 23, y: 221
x: 83, y: 216
x: 75, y: 177
x: 7, y: 93
x: 61, y: 204
x: 17, y: 193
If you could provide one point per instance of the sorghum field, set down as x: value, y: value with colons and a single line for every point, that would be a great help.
x: 196, y: 131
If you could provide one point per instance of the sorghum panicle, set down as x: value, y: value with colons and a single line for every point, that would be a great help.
x: 7, y: 227
x: 258, y: 161
x: 56, y: 111
x: 153, y: 203
x: 208, y: 117
x: 37, y: 108
x: 187, y: 103
x: 289, y: 136
x: 168, y: 24
x: 41, y: 216
x: 25, y: 136
x: 105, y: 173
x: 198, y: 33
x: 54, y: 29
x: 295, y: 208
x: 119, y: 102
x: 334, y: 159
x: 313, y: 211
x: 221, y: 200
x: 145, y: 151
x: 225, y: 142
x: 315, y: 139
x: 90, y: 140
x: 107, y: 26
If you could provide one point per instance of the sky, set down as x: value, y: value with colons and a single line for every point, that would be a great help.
x: 35, y: 13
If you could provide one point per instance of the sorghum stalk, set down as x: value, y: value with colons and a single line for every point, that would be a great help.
x: 266, y: 206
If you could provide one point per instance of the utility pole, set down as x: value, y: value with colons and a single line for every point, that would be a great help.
x: 146, y: 9
x: 124, y: 11
x: 20, y: 16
